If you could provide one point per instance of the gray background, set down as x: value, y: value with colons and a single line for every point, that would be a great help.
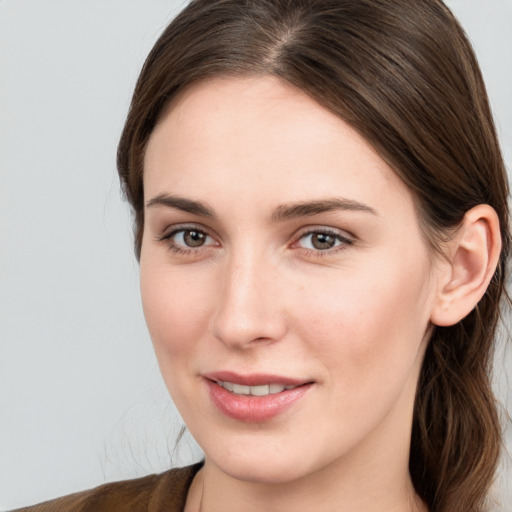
x: 81, y: 398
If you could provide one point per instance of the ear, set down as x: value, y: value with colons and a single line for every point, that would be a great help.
x: 472, y: 257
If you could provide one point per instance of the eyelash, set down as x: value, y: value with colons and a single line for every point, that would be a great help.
x: 346, y: 242
x: 177, y: 249
x: 181, y: 251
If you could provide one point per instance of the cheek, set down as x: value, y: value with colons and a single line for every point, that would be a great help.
x: 369, y: 326
x: 176, y: 307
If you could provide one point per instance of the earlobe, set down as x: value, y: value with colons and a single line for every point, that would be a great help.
x: 472, y: 257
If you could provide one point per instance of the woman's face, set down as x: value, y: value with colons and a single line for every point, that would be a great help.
x: 285, y: 282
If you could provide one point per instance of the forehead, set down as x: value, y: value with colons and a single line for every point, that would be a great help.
x: 261, y: 135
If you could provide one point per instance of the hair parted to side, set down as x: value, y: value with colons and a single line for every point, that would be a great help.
x: 404, y: 75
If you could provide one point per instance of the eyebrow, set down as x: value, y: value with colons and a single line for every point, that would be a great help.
x: 281, y: 213
x: 183, y: 204
x: 307, y: 208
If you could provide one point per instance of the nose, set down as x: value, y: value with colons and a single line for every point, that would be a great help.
x: 250, y: 308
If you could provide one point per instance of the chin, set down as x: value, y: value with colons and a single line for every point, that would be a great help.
x: 276, y: 472
x: 266, y: 464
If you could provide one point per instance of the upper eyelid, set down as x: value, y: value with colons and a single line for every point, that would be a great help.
x: 176, y: 228
x: 342, y: 233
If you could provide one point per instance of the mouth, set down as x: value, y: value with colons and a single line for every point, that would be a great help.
x: 254, y: 398
x: 262, y: 390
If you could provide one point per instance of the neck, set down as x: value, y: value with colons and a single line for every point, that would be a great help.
x: 354, y: 484
x: 321, y: 496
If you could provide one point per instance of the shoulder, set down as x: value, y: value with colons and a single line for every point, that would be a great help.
x: 154, y: 493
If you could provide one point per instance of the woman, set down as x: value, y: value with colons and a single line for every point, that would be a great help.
x: 321, y: 219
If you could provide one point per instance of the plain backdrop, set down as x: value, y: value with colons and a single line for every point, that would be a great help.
x: 81, y: 398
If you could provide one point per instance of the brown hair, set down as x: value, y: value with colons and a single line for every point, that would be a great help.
x: 403, y: 74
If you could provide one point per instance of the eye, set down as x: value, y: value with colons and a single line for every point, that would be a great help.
x: 185, y: 240
x: 322, y: 241
x: 191, y: 238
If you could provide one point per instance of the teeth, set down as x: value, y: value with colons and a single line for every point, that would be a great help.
x: 260, y: 390
x: 263, y: 390
x: 239, y: 389
x: 228, y: 385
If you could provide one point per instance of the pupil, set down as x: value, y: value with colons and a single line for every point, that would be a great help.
x: 323, y: 241
x: 194, y: 238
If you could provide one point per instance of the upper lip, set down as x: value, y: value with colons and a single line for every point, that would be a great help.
x: 253, y: 379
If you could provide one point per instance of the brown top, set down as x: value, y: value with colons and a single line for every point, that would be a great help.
x: 166, y: 492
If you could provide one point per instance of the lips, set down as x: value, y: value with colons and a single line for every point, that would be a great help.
x: 254, y: 398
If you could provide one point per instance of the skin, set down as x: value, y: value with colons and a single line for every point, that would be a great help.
x: 259, y: 297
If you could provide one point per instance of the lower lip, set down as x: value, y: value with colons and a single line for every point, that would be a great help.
x: 254, y: 409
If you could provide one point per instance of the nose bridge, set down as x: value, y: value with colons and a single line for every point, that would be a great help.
x: 249, y: 307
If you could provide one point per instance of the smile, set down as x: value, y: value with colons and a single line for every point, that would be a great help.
x: 255, y: 398
x: 262, y: 390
